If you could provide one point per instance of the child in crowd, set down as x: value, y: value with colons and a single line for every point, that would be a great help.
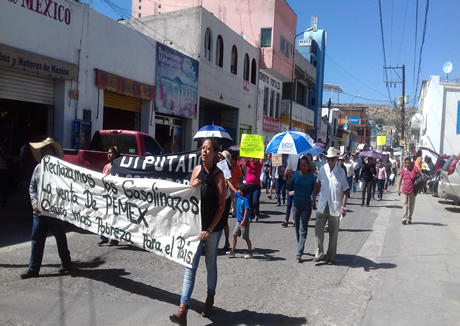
x: 242, y: 218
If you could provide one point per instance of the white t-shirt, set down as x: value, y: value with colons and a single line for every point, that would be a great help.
x: 333, y: 184
x: 393, y: 162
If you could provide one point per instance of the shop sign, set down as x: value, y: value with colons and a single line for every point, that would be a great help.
x: 30, y: 62
x: 270, y: 124
x: 176, y: 83
x: 48, y: 8
x: 124, y: 86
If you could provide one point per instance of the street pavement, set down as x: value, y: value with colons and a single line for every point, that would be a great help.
x: 386, y: 273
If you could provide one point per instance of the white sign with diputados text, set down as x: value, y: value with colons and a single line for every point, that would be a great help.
x: 156, y: 215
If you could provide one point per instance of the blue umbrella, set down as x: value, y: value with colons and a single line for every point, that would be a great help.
x: 314, y: 151
x: 290, y: 142
x: 212, y: 131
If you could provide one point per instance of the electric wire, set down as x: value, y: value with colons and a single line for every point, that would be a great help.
x: 383, y: 45
x: 421, y: 46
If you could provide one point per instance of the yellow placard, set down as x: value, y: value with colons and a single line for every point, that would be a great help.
x: 252, y: 146
x: 381, y: 140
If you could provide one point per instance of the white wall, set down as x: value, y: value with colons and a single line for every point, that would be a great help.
x: 91, y: 41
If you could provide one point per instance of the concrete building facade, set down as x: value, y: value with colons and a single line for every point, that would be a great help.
x: 67, y: 65
x: 269, y: 26
x: 228, y: 72
x: 436, y: 124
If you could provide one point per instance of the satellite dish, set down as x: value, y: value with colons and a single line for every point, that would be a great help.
x: 447, y: 68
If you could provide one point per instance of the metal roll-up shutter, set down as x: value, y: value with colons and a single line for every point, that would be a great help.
x: 117, y: 101
x: 23, y: 87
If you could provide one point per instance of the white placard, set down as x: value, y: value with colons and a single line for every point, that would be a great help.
x: 293, y: 160
x: 223, y: 165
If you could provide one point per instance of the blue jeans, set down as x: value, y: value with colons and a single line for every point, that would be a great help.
x: 381, y: 186
x: 280, y: 190
x: 301, y: 218
x: 40, y: 226
x: 266, y: 180
x: 288, y: 208
x: 254, y: 200
x: 212, y: 243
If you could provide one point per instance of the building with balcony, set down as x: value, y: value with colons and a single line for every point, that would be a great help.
x: 270, y: 26
x: 227, y: 70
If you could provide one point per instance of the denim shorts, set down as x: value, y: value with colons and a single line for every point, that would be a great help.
x: 242, y: 231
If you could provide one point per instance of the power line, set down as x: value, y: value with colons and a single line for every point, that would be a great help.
x: 421, y: 46
x: 383, y: 45
x: 334, y: 62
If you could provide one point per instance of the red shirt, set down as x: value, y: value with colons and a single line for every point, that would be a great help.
x: 237, y: 173
x: 408, y: 178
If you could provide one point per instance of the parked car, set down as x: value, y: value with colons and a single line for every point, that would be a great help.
x: 128, y: 142
x: 433, y: 183
x: 449, y: 183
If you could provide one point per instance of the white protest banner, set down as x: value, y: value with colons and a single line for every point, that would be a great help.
x: 156, y: 215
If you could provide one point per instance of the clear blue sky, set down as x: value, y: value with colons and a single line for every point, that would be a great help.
x: 354, y: 53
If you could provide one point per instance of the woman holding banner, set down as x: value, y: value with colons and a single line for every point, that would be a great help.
x: 213, y: 187
x: 112, y: 154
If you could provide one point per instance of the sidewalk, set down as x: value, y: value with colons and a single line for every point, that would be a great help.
x: 424, y: 288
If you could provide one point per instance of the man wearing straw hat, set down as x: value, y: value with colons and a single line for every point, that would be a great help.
x: 332, y: 186
x: 41, y: 223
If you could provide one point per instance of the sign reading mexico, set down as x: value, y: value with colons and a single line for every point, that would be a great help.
x: 156, y: 215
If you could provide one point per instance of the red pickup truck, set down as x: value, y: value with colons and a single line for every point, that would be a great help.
x: 128, y: 142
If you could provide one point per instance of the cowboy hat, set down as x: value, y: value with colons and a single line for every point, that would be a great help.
x: 36, y: 148
x: 227, y: 156
x: 331, y: 152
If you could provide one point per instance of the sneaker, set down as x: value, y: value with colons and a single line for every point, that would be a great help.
x: 248, y: 255
x: 269, y: 197
x: 409, y: 221
x: 278, y: 204
x: 403, y: 222
x: 362, y: 205
x: 64, y: 269
x: 284, y: 224
x: 378, y: 199
x: 231, y: 253
x: 257, y: 218
x: 298, y: 258
x: 101, y: 242
x: 29, y: 274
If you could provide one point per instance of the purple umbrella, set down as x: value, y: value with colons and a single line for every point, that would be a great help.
x: 373, y: 154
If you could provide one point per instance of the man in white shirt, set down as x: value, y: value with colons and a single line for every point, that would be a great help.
x: 393, y: 166
x: 332, y: 187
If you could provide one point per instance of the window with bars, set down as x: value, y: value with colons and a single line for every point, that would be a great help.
x: 285, y: 47
x: 265, y: 37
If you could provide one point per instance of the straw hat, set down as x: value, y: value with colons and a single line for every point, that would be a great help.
x: 36, y: 148
x: 227, y: 156
x: 331, y: 152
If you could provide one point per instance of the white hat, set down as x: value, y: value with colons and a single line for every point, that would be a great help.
x: 37, y: 148
x: 331, y: 152
x: 227, y: 156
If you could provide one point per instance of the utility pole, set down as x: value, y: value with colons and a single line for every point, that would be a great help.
x: 403, y: 97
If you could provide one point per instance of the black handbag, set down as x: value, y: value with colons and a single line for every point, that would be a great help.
x: 418, y: 183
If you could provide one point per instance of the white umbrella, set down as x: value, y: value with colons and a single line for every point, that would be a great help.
x: 212, y: 131
x: 290, y: 142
